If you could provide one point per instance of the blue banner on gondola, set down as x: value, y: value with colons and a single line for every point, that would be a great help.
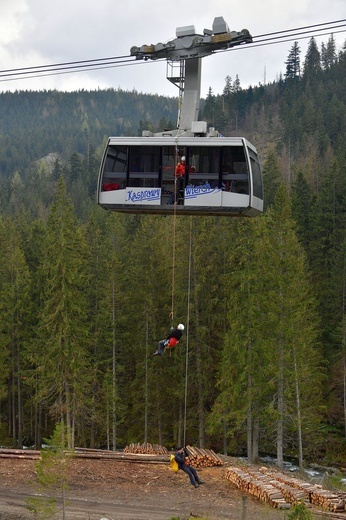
x: 143, y: 196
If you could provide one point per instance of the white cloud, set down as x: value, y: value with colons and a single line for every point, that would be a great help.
x: 10, y: 25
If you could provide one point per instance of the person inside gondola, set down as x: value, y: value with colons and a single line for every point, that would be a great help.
x: 172, y: 340
x: 180, y: 174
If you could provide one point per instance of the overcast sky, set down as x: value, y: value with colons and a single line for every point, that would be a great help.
x: 40, y: 32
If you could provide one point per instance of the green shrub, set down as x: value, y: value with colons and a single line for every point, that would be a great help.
x: 300, y: 512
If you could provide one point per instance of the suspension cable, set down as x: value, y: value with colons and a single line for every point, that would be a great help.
x: 187, y: 332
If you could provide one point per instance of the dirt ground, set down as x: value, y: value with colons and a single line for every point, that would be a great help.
x: 118, y: 490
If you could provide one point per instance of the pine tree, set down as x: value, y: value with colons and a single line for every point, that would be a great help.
x: 272, y: 325
x: 227, y: 90
x: 302, y: 201
x: 209, y: 108
x: 4, y: 343
x: 236, y: 84
x: 312, y: 63
x: 15, y: 325
x: 293, y: 62
x: 146, y: 279
x: 51, y: 477
x: 326, y: 251
x: 240, y: 395
x: 293, y: 323
x: 328, y: 53
x: 271, y: 178
x: 107, y: 297
x: 63, y: 364
x: 210, y: 242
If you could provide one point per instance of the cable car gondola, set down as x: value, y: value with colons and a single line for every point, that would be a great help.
x: 222, y: 174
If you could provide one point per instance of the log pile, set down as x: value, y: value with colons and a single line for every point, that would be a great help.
x: 7, y: 453
x: 328, y: 500
x: 197, y: 457
x: 151, y: 449
x: 316, y: 495
x: 281, y: 491
x: 292, y: 494
x: 202, y: 458
x: 257, y: 486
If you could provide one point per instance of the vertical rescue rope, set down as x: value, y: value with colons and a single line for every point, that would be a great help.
x: 187, y: 331
x: 173, y: 273
x: 174, y: 234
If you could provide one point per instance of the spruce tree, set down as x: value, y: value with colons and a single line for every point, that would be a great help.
x: 63, y: 362
x: 239, y: 401
x: 272, y: 343
x: 293, y: 63
x: 51, y: 477
x: 328, y: 53
x: 15, y: 323
x: 312, y: 63
x: 271, y: 178
x: 292, y: 324
x: 302, y: 202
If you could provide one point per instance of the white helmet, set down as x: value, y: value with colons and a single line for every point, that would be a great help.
x: 183, y: 158
x: 180, y: 326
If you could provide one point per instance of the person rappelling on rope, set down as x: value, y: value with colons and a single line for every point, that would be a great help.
x: 171, y: 340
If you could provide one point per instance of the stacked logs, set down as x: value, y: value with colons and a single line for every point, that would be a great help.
x: 315, y: 493
x: 280, y: 490
x: 257, y: 487
x: 202, y: 458
x: 151, y: 449
x: 328, y: 500
x: 292, y: 495
x: 7, y: 453
x: 197, y: 457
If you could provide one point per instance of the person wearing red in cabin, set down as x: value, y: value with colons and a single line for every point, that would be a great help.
x: 180, y: 169
x: 180, y: 178
x: 171, y: 340
x: 180, y: 172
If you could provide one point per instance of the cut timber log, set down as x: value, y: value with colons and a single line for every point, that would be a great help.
x: 278, y: 489
x: 202, y: 458
x: 146, y: 448
x: 197, y: 457
x: 257, y: 487
x: 17, y: 456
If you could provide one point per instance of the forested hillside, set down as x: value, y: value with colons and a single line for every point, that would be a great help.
x: 86, y: 294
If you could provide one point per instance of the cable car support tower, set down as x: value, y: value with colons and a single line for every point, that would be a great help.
x: 183, y: 55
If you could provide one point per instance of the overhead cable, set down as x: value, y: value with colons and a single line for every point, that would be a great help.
x: 276, y: 37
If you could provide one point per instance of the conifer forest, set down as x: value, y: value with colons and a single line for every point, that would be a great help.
x: 86, y: 294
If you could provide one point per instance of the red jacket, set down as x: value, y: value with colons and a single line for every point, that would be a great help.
x: 180, y: 169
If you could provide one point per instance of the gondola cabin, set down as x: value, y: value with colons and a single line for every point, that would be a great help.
x: 222, y: 176
x: 219, y: 175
